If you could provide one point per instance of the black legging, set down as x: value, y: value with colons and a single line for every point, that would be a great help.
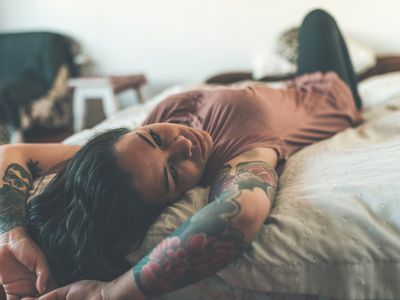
x: 322, y: 48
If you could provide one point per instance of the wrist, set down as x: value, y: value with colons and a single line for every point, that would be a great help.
x: 16, y: 233
x: 124, y: 287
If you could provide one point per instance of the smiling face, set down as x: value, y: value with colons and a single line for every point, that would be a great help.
x: 165, y: 159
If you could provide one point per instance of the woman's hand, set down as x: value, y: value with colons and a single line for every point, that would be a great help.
x: 24, y: 270
x: 82, y: 290
x: 122, y: 288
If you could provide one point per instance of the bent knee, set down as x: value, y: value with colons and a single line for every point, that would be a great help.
x: 318, y: 17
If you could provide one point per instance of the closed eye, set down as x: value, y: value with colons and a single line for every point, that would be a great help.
x: 172, y: 170
x: 156, y: 137
x: 174, y: 174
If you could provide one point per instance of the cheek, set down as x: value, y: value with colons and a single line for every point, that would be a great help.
x: 193, y: 175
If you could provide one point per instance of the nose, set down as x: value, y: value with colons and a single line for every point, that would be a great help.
x: 181, y: 148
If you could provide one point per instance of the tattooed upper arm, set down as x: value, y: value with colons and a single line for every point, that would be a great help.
x: 13, y: 195
x: 247, y: 175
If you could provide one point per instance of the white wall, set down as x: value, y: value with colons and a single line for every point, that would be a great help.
x: 188, y: 40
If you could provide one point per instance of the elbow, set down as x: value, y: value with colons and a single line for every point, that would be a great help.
x: 254, y: 209
x: 253, y: 213
x: 5, y: 150
x: 8, y: 152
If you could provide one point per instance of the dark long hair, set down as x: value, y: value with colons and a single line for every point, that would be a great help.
x: 89, y: 216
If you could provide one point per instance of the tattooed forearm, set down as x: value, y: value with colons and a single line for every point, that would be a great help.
x: 13, y: 195
x: 201, y: 246
x: 208, y: 241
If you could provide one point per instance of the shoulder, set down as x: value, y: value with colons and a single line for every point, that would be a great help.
x: 258, y: 162
x: 250, y: 180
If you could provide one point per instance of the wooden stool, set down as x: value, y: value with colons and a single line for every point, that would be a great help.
x: 105, y: 89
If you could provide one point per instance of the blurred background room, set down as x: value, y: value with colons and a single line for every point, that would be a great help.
x: 56, y: 55
x: 72, y: 68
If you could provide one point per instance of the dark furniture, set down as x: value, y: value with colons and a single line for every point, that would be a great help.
x: 35, y: 67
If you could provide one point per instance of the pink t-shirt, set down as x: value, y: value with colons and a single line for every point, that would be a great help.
x: 242, y: 117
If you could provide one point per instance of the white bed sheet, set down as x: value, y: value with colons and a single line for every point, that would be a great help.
x: 353, y: 177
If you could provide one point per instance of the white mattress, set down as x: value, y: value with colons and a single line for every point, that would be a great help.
x: 334, y: 230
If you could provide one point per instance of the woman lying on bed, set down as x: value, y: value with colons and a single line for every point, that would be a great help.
x: 107, y: 193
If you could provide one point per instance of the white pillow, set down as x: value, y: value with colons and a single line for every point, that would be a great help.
x: 380, y: 89
x: 362, y: 57
x: 271, y: 64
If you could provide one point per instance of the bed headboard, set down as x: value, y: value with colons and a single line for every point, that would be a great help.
x: 384, y: 64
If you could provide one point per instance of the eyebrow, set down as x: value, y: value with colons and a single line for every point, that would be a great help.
x: 148, y: 141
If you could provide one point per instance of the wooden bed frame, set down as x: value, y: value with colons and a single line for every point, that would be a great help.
x: 384, y: 64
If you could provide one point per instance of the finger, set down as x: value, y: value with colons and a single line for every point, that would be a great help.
x: 16, y: 290
x: 58, y: 294
x: 49, y: 296
x: 51, y: 284
x: 43, y: 275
